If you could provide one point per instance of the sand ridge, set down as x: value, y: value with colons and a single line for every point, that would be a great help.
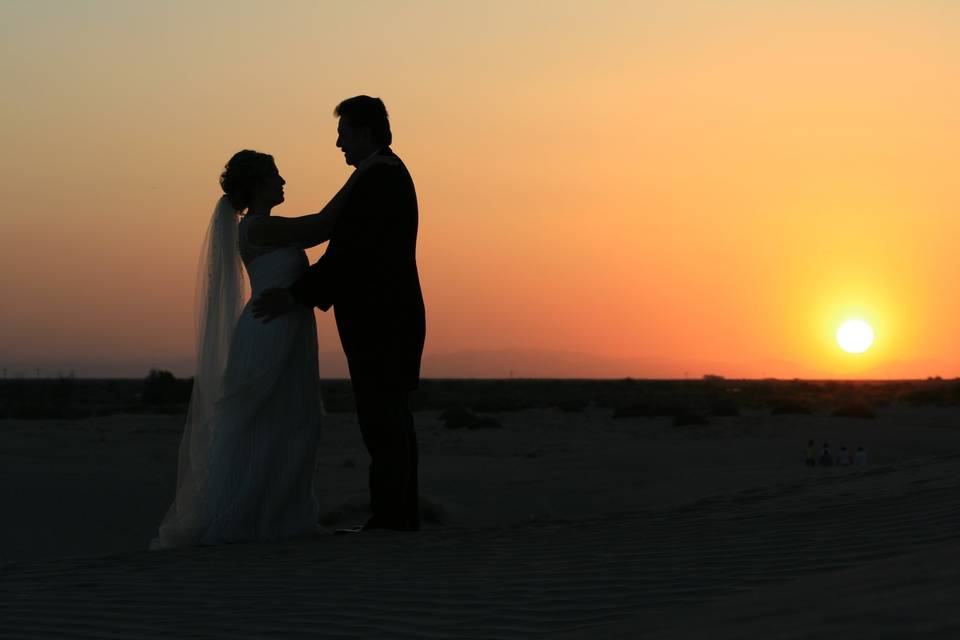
x: 643, y: 570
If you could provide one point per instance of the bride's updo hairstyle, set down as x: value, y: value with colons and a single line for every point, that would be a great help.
x: 243, y: 174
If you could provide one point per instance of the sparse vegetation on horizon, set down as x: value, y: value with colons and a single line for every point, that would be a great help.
x: 685, y: 401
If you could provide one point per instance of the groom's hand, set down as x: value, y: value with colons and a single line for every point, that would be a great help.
x: 273, y: 303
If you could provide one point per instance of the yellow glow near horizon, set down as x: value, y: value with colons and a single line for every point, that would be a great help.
x: 673, y: 188
x: 855, y: 336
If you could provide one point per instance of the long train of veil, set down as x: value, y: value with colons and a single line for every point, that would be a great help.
x: 220, y: 296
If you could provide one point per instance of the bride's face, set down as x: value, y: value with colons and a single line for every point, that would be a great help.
x: 270, y: 192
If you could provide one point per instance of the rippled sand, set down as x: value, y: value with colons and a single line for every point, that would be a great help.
x: 565, y: 524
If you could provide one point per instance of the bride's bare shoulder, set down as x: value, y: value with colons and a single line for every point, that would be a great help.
x: 261, y: 231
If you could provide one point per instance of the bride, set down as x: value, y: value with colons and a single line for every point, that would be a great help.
x: 249, y: 447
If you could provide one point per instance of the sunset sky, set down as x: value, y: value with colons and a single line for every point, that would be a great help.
x: 652, y: 189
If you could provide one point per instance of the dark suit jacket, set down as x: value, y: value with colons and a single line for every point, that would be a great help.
x: 369, y: 276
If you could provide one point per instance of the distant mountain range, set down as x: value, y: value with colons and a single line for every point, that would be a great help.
x: 504, y: 363
x: 534, y: 363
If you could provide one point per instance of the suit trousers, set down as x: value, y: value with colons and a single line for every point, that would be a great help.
x: 386, y: 423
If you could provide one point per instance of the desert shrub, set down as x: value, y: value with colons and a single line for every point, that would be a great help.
x: 485, y: 422
x: 724, y: 407
x: 433, y: 512
x: 63, y: 389
x: 854, y: 409
x: 33, y: 410
x: 572, y: 406
x: 790, y: 406
x: 630, y: 411
x: 162, y: 388
x: 657, y: 405
x: 647, y: 410
x: 689, y: 419
x: 458, y: 418
x: 499, y: 404
x: 42, y: 399
x: 462, y: 418
x: 926, y: 395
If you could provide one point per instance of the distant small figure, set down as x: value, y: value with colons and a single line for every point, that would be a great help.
x: 826, y: 460
x: 843, y: 458
x: 860, y: 457
x: 811, y: 460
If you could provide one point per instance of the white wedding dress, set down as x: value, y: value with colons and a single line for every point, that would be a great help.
x: 249, y: 449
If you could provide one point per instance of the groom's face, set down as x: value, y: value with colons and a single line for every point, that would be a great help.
x: 354, y: 142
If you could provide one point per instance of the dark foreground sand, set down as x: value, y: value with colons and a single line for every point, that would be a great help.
x: 562, y: 525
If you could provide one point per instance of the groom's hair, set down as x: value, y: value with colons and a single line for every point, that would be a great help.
x: 364, y: 111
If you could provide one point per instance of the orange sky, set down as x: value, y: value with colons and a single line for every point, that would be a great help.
x: 670, y: 188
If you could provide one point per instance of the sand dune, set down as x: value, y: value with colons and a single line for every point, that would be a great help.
x: 713, y: 553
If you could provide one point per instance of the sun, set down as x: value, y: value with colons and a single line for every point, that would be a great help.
x: 855, y: 336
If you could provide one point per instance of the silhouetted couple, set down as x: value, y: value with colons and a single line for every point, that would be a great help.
x: 249, y: 448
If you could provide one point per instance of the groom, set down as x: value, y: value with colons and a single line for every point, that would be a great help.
x: 369, y: 276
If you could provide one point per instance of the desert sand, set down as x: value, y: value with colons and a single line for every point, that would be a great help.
x: 573, y: 525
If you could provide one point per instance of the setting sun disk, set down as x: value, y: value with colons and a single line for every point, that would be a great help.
x: 854, y: 336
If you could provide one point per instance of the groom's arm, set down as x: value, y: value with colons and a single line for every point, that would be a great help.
x: 304, y: 231
x: 311, y: 230
x: 317, y: 286
x: 355, y: 262
x: 312, y: 289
